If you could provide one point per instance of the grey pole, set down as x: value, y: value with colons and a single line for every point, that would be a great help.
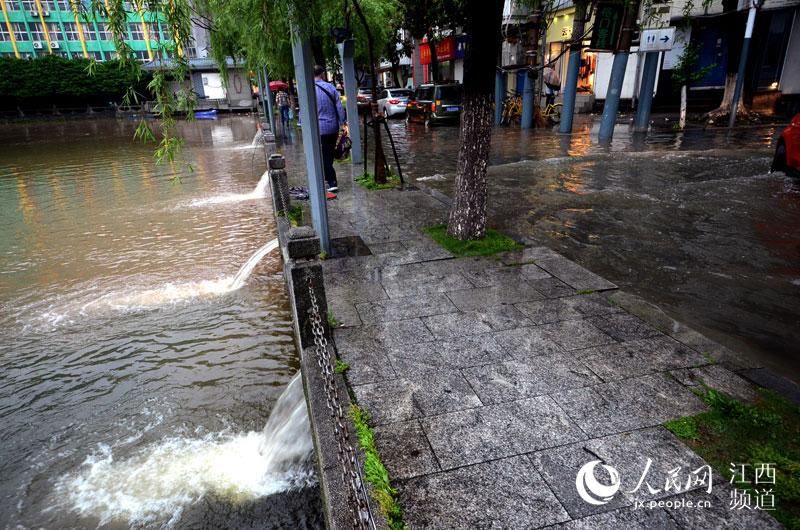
x: 416, y: 70
x: 307, y: 94
x: 527, y: 103
x: 271, y: 117
x: 261, y: 92
x: 748, y: 34
x: 646, y: 92
x: 499, y: 92
x: 611, y: 105
x: 346, y: 51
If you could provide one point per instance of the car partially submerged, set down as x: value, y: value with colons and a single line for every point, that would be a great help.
x: 787, y: 151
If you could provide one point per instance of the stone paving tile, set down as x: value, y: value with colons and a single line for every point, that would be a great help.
x: 629, y: 453
x: 495, y: 318
x: 366, y: 366
x: 640, y: 357
x: 527, y: 342
x: 509, y: 381
x: 348, y: 264
x: 719, y: 514
x: 623, y: 326
x: 503, y: 494
x: 384, y: 248
x: 405, y: 257
x: 559, y: 467
x: 566, y: 308
x: 629, y: 404
x: 354, y: 288
x: 414, y: 359
x: 424, y: 283
x: 496, y: 431
x: 493, y: 276
x: 405, y: 450
x: 626, y: 518
x: 552, y: 287
x: 426, y: 395
x: 344, y: 312
x: 573, y: 274
x: 474, y: 299
x: 381, y: 335
x: 405, y: 307
x: 574, y: 334
x: 719, y: 378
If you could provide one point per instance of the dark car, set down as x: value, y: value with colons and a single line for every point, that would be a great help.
x: 434, y: 104
x: 787, y: 152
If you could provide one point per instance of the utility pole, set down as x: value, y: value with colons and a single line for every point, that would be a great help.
x: 571, y: 88
x: 268, y: 94
x: 261, y: 93
x: 614, y: 93
x: 307, y: 94
x: 748, y: 34
x: 642, y: 122
x: 346, y: 51
x: 499, y: 94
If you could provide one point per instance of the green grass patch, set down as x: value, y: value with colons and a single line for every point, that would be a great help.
x: 764, y: 432
x: 295, y: 215
x: 341, y: 366
x: 332, y: 322
x: 367, y: 181
x: 375, y: 472
x: 584, y: 291
x: 492, y: 243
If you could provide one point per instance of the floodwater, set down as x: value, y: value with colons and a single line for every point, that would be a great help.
x: 136, y: 378
x: 690, y: 221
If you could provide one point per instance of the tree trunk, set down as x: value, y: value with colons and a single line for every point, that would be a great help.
x: 433, y: 67
x: 380, y: 158
x: 724, y: 108
x: 396, y: 74
x: 682, y: 122
x: 468, y: 212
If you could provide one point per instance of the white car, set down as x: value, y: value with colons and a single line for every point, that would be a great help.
x: 393, y: 101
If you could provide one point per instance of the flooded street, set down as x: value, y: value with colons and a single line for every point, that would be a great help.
x: 140, y: 360
x: 690, y: 221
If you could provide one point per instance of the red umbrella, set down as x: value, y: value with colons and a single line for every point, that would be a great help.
x: 278, y: 85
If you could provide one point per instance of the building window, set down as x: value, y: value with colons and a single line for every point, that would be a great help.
x: 20, y: 33
x: 141, y: 55
x: 166, y: 34
x: 97, y: 56
x: 71, y: 29
x: 48, y: 5
x: 37, y: 32
x: 152, y: 30
x: 55, y: 32
x: 65, y: 55
x: 64, y: 5
x: 136, y: 31
x: 5, y: 35
x: 88, y: 31
x: 104, y: 32
x: 29, y: 5
x: 11, y: 5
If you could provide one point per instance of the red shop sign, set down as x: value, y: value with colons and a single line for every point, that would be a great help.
x: 445, y: 51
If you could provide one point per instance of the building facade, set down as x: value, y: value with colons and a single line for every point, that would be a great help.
x: 33, y: 28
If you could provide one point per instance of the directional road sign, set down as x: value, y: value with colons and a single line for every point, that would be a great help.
x: 657, y: 40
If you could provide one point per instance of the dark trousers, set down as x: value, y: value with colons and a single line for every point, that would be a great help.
x: 328, y: 148
x: 285, y: 117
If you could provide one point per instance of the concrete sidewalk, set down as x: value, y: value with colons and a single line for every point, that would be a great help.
x: 492, y: 381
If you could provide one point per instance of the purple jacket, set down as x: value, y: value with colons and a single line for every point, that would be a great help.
x: 329, y: 108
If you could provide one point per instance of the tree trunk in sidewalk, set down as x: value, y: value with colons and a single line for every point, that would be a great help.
x: 682, y: 120
x: 468, y: 212
x: 433, y: 67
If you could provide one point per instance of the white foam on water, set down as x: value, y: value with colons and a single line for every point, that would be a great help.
x: 259, y: 192
x: 157, y: 483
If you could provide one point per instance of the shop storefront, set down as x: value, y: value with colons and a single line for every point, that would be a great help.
x: 559, y: 35
x: 450, y: 58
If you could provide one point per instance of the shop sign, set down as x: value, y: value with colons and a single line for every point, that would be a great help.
x: 607, y: 25
x: 445, y: 51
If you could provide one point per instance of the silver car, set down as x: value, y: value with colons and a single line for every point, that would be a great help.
x: 393, y: 101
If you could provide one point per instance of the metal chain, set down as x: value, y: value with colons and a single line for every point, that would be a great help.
x: 348, y: 457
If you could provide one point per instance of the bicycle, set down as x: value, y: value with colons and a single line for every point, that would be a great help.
x: 512, y: 109
x: 553, y: 112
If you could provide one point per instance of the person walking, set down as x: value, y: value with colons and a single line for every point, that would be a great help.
x: 332, y: 118
x: 282, y: 100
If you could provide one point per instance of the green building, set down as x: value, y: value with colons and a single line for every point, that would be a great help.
x: 32, y: 28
